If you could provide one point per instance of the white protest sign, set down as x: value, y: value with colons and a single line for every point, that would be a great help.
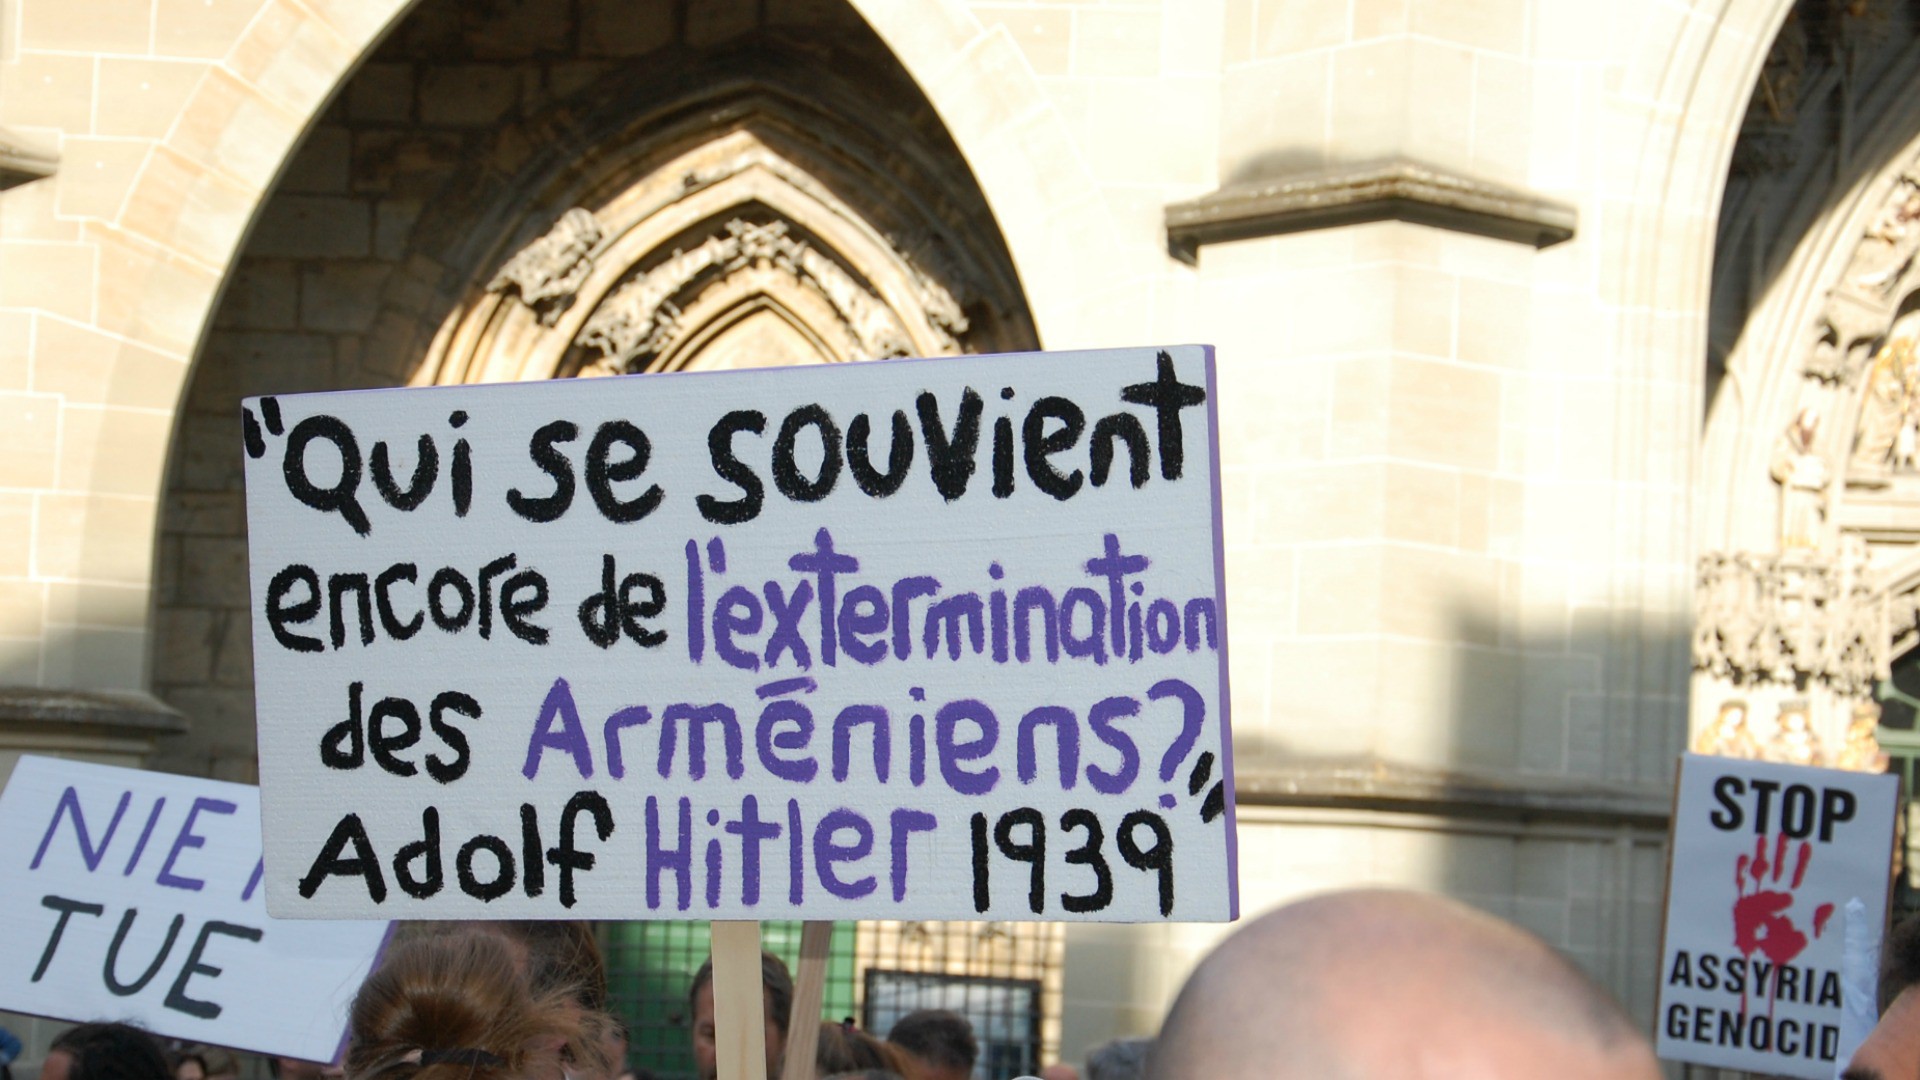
x: 1765, y: 857
x: 916, y: 639
x: 136, y: 896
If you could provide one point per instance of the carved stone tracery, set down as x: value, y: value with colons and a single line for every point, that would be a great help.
x: 546, y: 273
x: 1791, y: 620
x: 744, y: 247
x: 1803, y: 637
x: 640, y: 319
x: 1812, y: 488
x: 1861, y: 307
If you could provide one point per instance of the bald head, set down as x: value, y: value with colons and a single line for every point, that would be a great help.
x: 1376, y: 984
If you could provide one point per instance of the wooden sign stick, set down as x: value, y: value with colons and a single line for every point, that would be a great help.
x: 809, y: 990
x: 739, y: 1012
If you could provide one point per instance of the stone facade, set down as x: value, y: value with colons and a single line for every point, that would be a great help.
x: 1466, y: 482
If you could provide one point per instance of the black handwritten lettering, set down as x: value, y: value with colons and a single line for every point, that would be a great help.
x: 177, y: 998
x: 425, y: 470
x: 281, y: 614
x: 1166, y: 395
x: 110, y: 976
x: 603, y: 473
x: 731, y: 469
x: 67, y: 909
x: 333, y: 861
x: 341, y: 498
x: 555, y: 464
x: 1042, y: 444
x: 880, y: 485
x: 950, y: 453
x: 786, y: 467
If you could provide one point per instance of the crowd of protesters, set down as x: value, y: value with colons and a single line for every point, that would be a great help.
x: 1365, y: 984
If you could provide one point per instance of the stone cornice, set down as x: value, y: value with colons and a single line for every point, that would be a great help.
x: 120, y: 712
x: 20, y: 163
x: 1370, y: 784
x: 1398, y: 190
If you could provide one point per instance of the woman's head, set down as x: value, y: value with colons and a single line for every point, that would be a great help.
x: 844, y: 1050
x: 464, y: 1007
x: 555, y: 953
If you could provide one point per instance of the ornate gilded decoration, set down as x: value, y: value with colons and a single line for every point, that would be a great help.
x: 1729, y: 734
x: 1793, y: 741
x: 1860, y: 751
x: 1887, y: 439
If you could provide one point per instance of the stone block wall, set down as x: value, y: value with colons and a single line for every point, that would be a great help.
x: 1457, y: 470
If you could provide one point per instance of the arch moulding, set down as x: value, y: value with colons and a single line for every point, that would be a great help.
x: 1809, y: 494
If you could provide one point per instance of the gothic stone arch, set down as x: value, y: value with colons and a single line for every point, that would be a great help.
x: 737, y: 245
x: 1808, y: 583
x: 778, y: 197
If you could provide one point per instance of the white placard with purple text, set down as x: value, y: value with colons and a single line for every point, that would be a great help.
x: 917, y: 639
x: 135, y: 895
x: 1765, y: 858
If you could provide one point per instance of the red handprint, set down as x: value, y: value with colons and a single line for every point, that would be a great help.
x: 1760, y: 920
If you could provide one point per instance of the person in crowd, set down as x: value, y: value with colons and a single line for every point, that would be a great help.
x: 564, y: 952
x: 844, y: 1052
x: 623, y: 1069
x: 1121, y: 1059
x: 557, y: 954
x: 464, y: 1006
x: 776, y: 996
x: 940, y: 1041
x: 9, y: 1050
x: 1892, y: 1048
x: 188, y: 1065
x: 1059, y: 1070
x: 1384, y: 984
x: 105, y: 1052
x: 287, y: 1068
x: 222, y: 1064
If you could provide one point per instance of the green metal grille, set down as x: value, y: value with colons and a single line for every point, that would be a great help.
x: 651, y: 967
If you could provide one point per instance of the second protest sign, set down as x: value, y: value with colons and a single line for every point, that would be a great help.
x: 919, y: 639
x: 1766, y: 858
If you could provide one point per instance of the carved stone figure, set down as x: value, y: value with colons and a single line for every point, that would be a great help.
x: 1793, y: 741
x: 1728, y: 735
x: 1861, y: 751
x: 1803, y: 479
x: 547, y: 272
x: 1886, y: 435
x: 1890, y: 242
x: 1860, y: 307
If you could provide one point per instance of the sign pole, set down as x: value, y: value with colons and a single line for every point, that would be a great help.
x: 739, y: 1013
x: 809, y: 990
